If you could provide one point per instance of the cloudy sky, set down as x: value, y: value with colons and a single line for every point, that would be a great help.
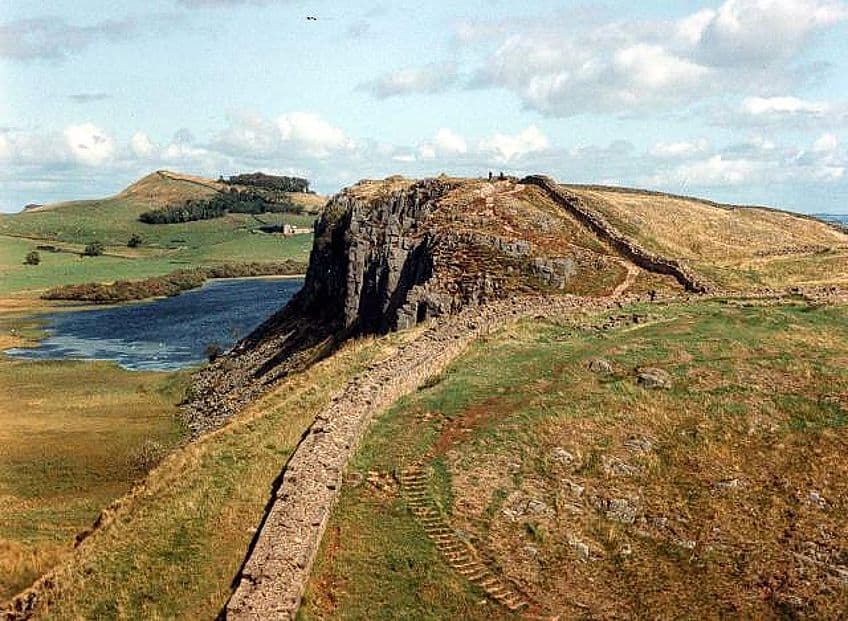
x: 742, y: 100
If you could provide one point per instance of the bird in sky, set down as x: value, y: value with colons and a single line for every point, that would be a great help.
x: 311, y: 18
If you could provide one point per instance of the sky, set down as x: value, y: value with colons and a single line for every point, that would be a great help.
x: 742, y: 101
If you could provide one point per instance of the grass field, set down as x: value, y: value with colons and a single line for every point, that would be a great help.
x: 603, y: 499
x: 174, y: 545
x: 70, y: 226
x: 65, y: 454
x: 736, y: 248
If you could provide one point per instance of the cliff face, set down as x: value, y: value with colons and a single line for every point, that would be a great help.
x: 387, y: 255
x: 368, y: 257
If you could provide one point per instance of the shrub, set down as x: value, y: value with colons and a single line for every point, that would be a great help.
x: 94, y: 249
x: 135, y: 241
x: 32, y: 258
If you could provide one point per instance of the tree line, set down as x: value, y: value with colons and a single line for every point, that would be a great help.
x: 234, y: 201
x: 270, y: 182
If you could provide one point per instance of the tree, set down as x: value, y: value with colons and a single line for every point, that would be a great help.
x: 94, y: 249
x: 32, y: 258
x: 135, y: 241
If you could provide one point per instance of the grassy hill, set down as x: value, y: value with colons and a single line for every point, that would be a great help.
x: 736, y: 247
x: 70, y: 226
x: 595, y: 495
x: 722, y: 496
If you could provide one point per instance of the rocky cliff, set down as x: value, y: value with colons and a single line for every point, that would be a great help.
x: 390, y: 254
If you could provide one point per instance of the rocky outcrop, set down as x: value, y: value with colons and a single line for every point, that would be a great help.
x: 629, y: 248
x: 386, y: 256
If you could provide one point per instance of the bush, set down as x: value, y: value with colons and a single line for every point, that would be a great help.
x: 32, y: 258
x: 250, y: 201
x: 135, y: 241
x: 94, y: 249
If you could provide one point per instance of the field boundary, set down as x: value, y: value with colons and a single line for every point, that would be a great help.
x: 603, y: 229
x: 279, y: 562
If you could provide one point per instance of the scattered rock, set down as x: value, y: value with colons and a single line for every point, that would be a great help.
x: 562, y: 456
x: 620, y: 510
x: 654, y: 379
x: 817, y: 499
x: 600, y: 366
x: 733, y: 483
x: 584, y: 552
x: 576, y: 489
x: 535, y: 507
x: 639, y: 444
x: 615, y: 467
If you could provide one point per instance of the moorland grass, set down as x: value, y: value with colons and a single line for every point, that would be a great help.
x: 754, y: 427
x: 73, y: 437
x: 173, y: 546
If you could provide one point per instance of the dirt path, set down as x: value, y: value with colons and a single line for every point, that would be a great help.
x: 632, y: 274
x: 273, y: 577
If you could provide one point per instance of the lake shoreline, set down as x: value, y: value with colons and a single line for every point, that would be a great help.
x: 170, y: 284
x: 167, y: 334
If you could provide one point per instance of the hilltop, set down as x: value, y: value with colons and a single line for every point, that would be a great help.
x: 63, y: 229
x: 506, y: 400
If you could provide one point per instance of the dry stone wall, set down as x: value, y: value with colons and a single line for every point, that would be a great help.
x: 630, y: 249
x: 274, y: 575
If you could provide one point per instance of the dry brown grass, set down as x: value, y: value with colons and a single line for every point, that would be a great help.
x: 171, y: 547
x: 726, y: 243
x: 724, y: 497
x: 68, y: 435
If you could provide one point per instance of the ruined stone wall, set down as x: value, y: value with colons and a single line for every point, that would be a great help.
x: 274, y: 575
x: 629, y: 248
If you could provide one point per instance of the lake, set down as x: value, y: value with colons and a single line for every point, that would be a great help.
x: 165, y: 334
x: 833, y: 217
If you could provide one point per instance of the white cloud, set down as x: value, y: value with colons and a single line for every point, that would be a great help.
x: 312, y: 134
x: 88, y: 144
x: 142, y: 146
x: 445, y: 143
x: 825, y: 144
x: 680, y: 150
x: 713, y: 171
x: 433, y: 78
x: 786, y: 105
x: 652, y: 67
x: 295, y: 135
x: 562, y: 67
x: 505, y: 148
x: 762, y: 31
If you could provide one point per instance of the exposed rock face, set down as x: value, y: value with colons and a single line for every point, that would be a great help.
x: 388, y: 255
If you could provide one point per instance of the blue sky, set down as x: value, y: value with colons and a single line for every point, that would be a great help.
x: 738, y: 100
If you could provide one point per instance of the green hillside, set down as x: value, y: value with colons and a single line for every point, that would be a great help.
x: 113, y: 221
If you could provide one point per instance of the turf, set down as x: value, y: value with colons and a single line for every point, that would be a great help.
x: 700, y: 498
x: 65, y: 454
x: 173, y: 545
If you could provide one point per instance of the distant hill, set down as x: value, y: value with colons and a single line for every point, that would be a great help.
x: 68, y: 226
x: 164, y: 187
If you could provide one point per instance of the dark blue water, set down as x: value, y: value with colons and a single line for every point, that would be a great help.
x: 833, y: 217
x: 166, y: 334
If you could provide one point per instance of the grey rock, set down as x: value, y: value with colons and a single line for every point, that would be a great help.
x: 653, y: 378
x: 600, y: 366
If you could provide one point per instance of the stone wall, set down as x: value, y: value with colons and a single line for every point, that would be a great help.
x: 278, y: 565
x: 629, y: 248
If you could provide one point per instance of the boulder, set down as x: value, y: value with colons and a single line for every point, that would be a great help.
x: 654, y: 379
x: 600, y: 366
